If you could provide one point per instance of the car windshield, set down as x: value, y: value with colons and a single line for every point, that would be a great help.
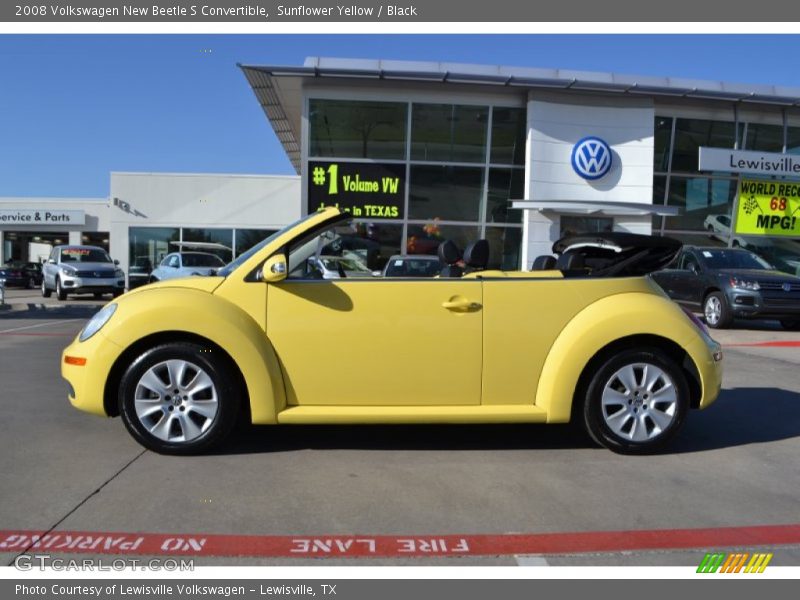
x: 733, y: 259
x: 245, y: 256
x: 85, y: 255
x: 201, y: 260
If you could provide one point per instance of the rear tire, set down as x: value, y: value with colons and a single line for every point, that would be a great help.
x: 636, y: 402
x: 179, y: 398
x: 791, y: 324
x: 61, y: 293
x: 716, y: 311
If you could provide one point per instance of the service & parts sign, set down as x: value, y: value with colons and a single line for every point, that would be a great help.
x: 768, y: 208
x: 365, y: 190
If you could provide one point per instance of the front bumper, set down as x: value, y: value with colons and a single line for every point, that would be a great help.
x: 87, y: 382
x: 91, y: 285
x: 749, y: 304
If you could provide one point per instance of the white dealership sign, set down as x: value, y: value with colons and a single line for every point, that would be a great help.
x: 750, y: 162
x: 29, y: 217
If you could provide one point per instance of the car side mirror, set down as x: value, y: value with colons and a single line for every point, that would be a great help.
x: 116, y: 262
x: 274, y: 269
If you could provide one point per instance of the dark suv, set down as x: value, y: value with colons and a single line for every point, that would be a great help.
x: 731, y: 282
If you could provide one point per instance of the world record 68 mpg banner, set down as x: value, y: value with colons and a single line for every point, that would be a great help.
x: 769, y: 208
x: 365, y: 190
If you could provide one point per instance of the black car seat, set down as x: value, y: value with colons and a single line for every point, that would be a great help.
x: 544, y: 263
x: 449, y: 255
x: 571, y: 264
x: 476, y: 256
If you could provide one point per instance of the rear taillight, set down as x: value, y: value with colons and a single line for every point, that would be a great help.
x: 693, y: 318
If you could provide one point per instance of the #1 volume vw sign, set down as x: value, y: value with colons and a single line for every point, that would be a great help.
x: 591, y: 158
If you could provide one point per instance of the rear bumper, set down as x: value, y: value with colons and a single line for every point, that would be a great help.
x: 707, y: 357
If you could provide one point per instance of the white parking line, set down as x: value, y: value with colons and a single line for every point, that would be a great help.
x: 38, y: 325
x: 531, y: 560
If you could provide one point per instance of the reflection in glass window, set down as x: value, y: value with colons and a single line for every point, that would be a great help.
x: 425, y: 239
x: 147, y: 247
x: 700, y: 199
x: 376, y: 242
x: 508, y: 136
x: 504, y: 247
x: 663, y: 135
x: 247, y: 238
x: 214, y: 241
x: 793, y: 140
x: 350, y: 129
x: 504, y: 185
x: 445, y: 193
x: 659, y: 187
x: 690, y: 134
x: 446, y: 132
x: 766, y: 138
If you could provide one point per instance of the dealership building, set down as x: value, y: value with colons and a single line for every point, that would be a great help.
x: 420, y: 152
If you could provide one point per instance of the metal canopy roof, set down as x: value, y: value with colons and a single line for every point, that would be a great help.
x: 589, y: 207
x: 279, y: 89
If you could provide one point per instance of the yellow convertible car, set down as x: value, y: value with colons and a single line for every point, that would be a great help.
x: 590, y: 338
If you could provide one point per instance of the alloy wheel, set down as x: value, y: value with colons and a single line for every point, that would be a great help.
x: 639, y: 402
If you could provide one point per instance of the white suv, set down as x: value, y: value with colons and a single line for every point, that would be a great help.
x: 81, y: 270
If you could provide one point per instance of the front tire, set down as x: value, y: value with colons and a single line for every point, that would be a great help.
x: 61, y: 293
x: 46, y: 291
x: 716, y: 311
x: 636, y: 402
x: 179, y: 398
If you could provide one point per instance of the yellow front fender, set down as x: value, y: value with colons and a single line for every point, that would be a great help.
x: 606, y: 321
x: 161, y: 309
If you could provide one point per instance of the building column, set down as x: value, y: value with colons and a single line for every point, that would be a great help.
x: 75, y: 238
x: 2, y: 249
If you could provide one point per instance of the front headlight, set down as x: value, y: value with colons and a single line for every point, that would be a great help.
x: 744, y: 284
x: 96, y: 323
x: 119, y: 273
x: 68, y: 271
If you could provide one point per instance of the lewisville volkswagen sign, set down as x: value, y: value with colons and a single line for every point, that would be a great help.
x: 748, y: 161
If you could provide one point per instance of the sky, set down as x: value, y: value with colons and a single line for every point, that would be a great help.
x: 73, y: 108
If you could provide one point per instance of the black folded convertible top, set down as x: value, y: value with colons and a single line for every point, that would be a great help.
x: 619, y: 254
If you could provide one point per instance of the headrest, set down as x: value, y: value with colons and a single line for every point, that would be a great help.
x: 477, y: 254
x: 570, y: 262
x: 449, y: 254
x: 544, y: 263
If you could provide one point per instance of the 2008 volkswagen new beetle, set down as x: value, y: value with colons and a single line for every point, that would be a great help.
x: 590, y: 339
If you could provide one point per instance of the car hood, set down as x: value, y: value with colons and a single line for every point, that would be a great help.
x: 204, y: 284
x: 620, y: 254
x: 89, y: 266
x: 759, y: 274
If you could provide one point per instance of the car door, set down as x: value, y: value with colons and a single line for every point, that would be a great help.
x: 376, y: 341
x: 688, y: 283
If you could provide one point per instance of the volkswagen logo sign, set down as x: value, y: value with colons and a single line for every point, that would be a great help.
x: 787, y: 287
x: 591, y: 158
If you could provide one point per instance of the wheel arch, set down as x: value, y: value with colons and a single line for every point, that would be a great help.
x: 639, y: 341
x: 610, y: 324
x: 148, y: 317
x: 111, y: 388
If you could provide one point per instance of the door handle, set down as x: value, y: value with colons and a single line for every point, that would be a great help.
x: 461, y: 304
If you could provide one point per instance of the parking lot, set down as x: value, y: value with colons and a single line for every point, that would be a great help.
x: 438, y: 495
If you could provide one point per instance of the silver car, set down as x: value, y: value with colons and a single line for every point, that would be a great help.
x: 81, y: 270
x: 186, y: 264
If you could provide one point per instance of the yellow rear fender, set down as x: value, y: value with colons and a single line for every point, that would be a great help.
x: 599, y: 325
x: 167, y: 313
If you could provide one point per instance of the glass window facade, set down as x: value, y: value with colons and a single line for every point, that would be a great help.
x: 463, y: 163
x: 706, y: 200
x: 350, y: 129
